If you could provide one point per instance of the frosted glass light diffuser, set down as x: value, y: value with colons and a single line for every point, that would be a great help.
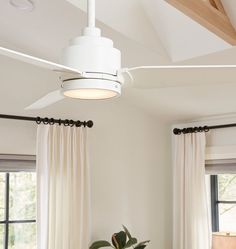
x: 91, y: 89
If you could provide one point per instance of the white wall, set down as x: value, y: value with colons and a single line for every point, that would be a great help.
x: 130, y: 165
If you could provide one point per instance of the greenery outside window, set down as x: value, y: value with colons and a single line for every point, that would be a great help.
x: 17, y: 204
x: 223, y: 202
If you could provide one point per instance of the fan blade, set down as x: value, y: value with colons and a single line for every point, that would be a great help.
x: 37, y: 61
x: 47, y: 100
x: 174, y: 76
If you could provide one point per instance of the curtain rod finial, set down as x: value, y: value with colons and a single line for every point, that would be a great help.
x: 177, y: 131
x: 90, y: 124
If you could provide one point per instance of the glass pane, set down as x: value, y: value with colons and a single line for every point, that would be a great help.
x: 227, y: 217
x: 1, y: 236
x: 2, y: 195
x: 227, y: 187
x: 22, y: 196
x: 22, y: 236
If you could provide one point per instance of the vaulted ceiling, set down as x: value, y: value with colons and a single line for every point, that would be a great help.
x: 158, y: 25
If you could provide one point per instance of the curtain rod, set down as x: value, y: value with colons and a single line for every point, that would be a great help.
x: 178, y: 131
x: 50, y: 121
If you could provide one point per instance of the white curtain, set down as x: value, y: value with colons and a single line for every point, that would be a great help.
x: 191, y: 212
x: 63, y: 193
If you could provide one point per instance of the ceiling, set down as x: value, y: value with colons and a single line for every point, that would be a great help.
x: 157, y: 22
x: 147, y: 32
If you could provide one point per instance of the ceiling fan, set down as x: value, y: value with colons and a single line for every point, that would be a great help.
x: 91, y: 69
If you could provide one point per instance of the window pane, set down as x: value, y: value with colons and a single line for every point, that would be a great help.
x: 1, y: 236
x: 22, y: 196
x: 22, y: 236
x: 2, y: 195
x: 227, y: 217
x: 227, y: 187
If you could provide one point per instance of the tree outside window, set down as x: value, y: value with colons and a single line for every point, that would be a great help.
x: 18, y: 210
x: 223, y: 193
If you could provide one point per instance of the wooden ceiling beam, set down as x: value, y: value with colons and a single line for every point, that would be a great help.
x: 218, y: 5
x: 210, y: 14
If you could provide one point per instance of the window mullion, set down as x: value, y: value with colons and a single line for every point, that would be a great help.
x: 226, y: 202
x: 21, y: 221
x: 214, y: 203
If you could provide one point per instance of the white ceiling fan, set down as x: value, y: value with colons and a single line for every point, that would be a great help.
x: 91, y: 69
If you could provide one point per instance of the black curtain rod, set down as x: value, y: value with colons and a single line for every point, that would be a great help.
x: 177, y: 131
x: 50, y: 121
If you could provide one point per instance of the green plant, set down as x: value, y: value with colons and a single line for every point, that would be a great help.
x: 120, y: 240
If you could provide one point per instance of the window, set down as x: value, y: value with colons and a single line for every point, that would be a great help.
x: 223, y: 202
x: 17, y: 204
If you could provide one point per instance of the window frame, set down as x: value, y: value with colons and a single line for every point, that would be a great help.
x: 215, y: 202
x: 25, y: 163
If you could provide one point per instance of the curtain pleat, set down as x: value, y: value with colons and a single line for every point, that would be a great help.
x: 63, y: 214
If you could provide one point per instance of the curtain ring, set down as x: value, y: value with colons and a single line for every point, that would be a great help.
x: 51, y: 121
x: 59, y: 122
x: 46, y: 121
x: 38, y: 120
x: 71, y: 123
x: 201, y: 129
x: 189, y: 130
x: 67, y: 122
x: 206, y: 128
x: 78, y: 124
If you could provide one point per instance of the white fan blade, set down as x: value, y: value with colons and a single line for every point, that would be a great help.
x: 37, y: 61
x: 174, y: 76
x: 47, y: 100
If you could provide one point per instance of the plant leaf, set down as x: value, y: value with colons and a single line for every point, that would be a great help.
x: 119, y: 240
x: 131, y: 242
x: 142, y: 244
x: 140, y: 247
x: 99, y: 244
x: 127, y: 232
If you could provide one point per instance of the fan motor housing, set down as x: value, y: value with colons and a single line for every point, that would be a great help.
x: 92, y: 53
x: 99, y: 62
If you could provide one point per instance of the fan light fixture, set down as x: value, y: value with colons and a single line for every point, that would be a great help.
x: 90, y: 67
x: 91, y: 89
x: 98, y: 60
x: 27, y: 5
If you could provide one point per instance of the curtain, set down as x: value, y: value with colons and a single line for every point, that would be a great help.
x: 63, y: 194
x: 191, y: 212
